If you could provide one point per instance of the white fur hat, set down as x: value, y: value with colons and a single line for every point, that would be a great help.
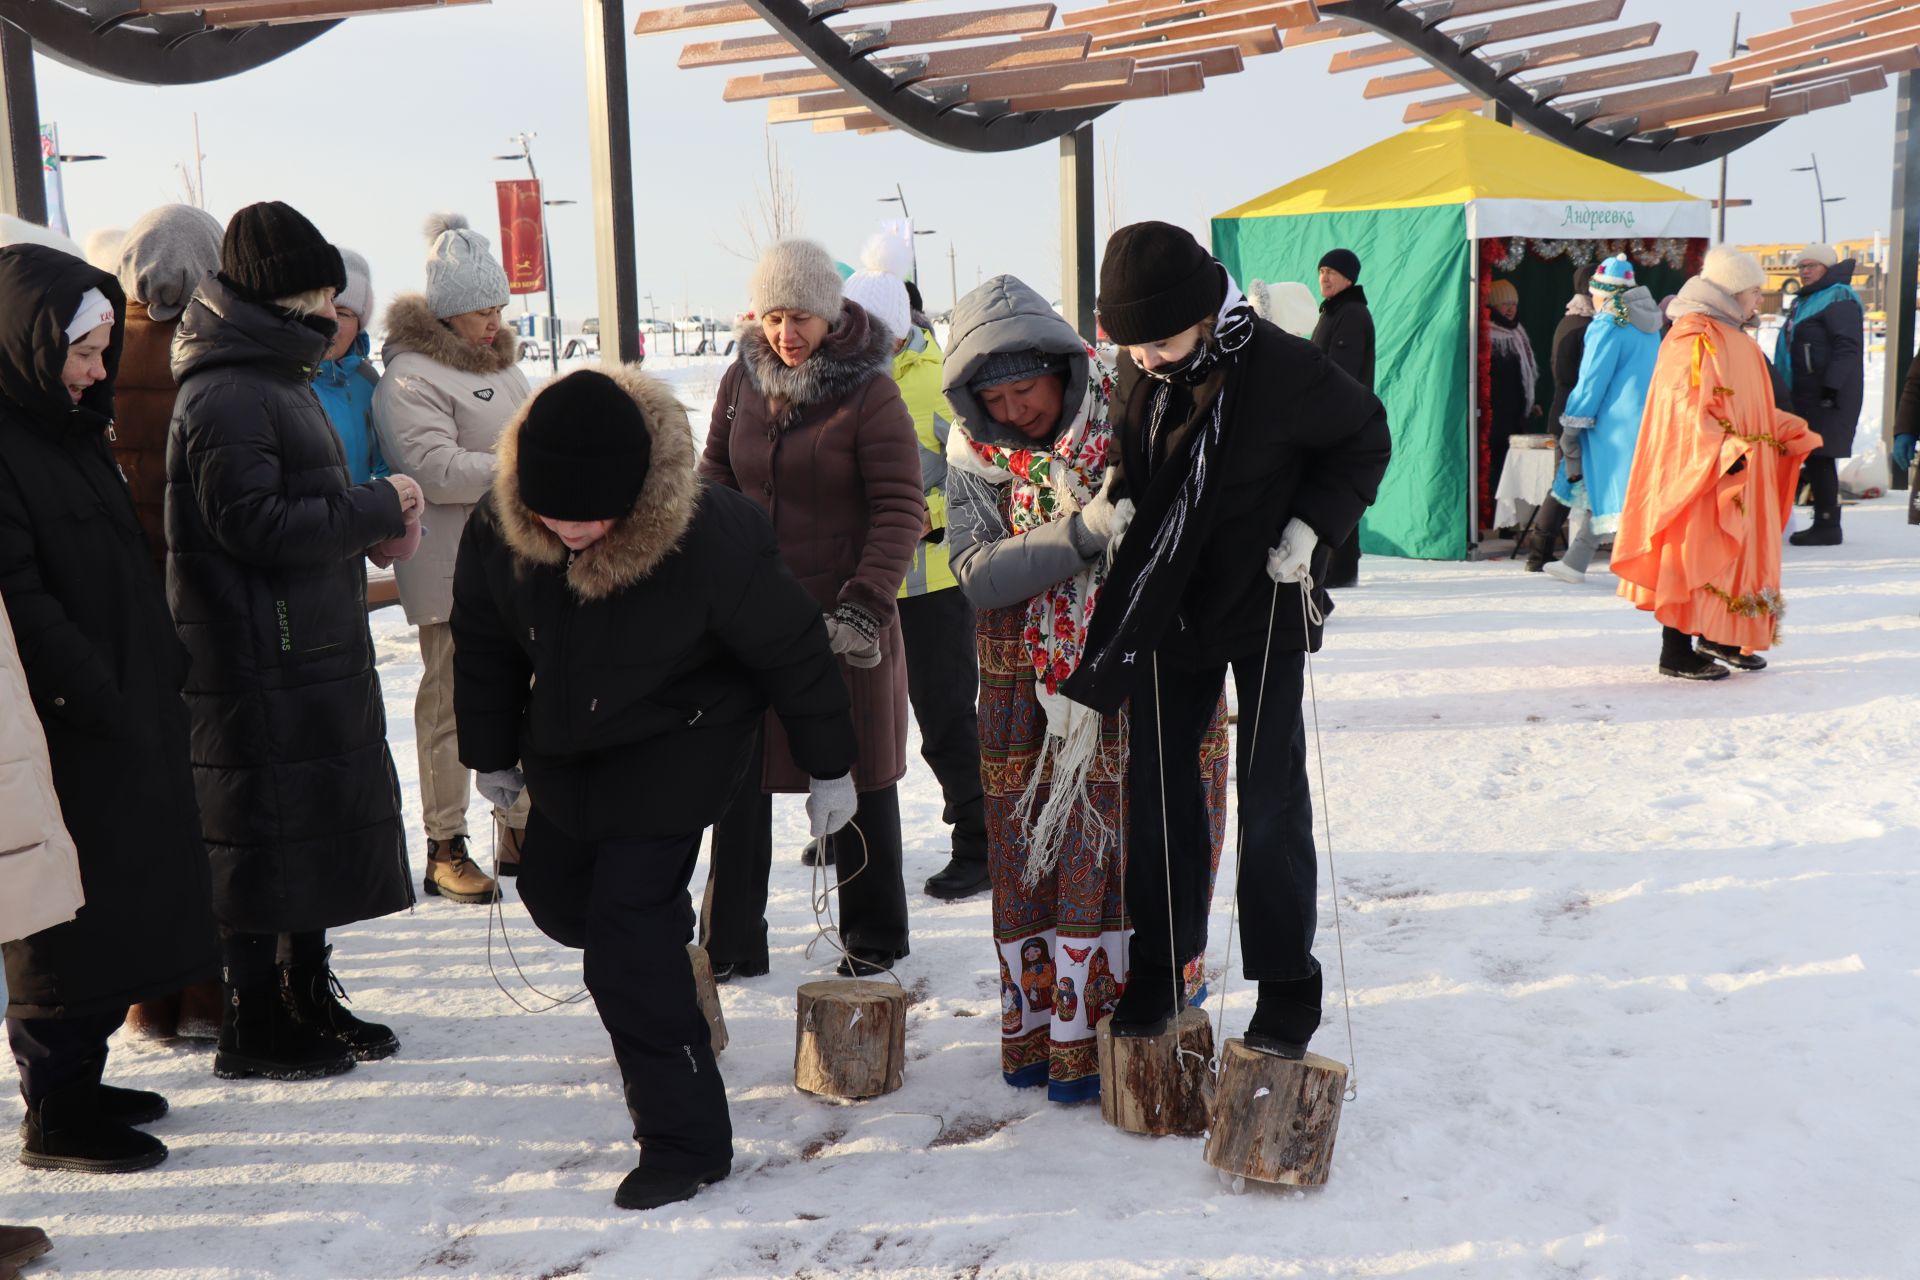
x: 1734, y: 271
x: 1288, y: 304
x: 103, y: 248
x: 797, y: 275
x: 880, y: 285
x: 462, y: 274
x: 1820, y: 253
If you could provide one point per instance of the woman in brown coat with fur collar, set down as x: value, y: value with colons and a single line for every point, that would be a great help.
x: 810, y: 425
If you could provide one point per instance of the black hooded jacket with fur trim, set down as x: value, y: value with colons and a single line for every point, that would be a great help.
x: 627, y: 679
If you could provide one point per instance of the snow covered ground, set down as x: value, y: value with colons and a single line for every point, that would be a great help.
x: 1635, y: 984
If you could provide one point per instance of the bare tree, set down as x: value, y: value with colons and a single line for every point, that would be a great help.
x: 776, y: 215
x: 1110, y: 177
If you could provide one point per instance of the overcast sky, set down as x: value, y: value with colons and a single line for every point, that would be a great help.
x: 383, y: 120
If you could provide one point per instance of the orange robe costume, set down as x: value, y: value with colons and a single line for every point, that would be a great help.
x: 1696, y: 546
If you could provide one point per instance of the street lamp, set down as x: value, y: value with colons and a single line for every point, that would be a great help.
x: 900, y: 198
x: 1820, y: 194
x: 546, y: 248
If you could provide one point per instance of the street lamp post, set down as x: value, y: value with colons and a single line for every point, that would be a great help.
x: 900, y: 198
x: 1820, y: 194
x: 546, y: 249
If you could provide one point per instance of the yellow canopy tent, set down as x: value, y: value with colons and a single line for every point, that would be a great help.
x: 1414, y: 207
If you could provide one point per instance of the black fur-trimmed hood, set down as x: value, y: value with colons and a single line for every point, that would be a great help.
x: 641, y: 539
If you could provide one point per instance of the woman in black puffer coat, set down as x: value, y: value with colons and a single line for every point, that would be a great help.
x: 266, y: 534
x: 104, y: 669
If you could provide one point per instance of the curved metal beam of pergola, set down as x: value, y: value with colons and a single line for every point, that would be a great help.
x: 977, y: 126
x: 151, y: 49
x: 1657, y: 152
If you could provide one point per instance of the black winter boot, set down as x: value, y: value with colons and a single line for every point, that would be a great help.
x: 1732, y: 656
x: 260, y: 1035
x: 962, y: 877
x: 316, y: 995
x: 122, y: 1106
x: 1285, y: 1018
x: 69, y: 1129
x: 1678, y: 659
x: 1544, y: 534
x: 646, y: 1188
x: 1148, y: 1005
x: 1822, y: 534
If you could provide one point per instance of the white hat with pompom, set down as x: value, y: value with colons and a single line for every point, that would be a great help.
x: 462, y: 273
x: 880, y: 285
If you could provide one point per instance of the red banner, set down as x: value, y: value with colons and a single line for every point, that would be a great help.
x: 522, y: 247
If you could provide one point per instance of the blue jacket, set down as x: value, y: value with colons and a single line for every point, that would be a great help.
x: 1609, y: 400
x: 345, y: 387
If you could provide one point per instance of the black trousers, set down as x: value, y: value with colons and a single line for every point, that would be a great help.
x: 943, y: 683
x: 624, y: 902
x: 733, y: 913
x: 1277, y: 870
x: 1823, y: 477
x: 55, y: 1053
x: 1343, y: 566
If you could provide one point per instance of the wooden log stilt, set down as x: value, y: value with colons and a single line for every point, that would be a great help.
x: 709, y: 993
x: 1146, y: 1088
x: 851, y: 1040
x: 1275, y: 1119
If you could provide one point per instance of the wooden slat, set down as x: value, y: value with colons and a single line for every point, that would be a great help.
x: 1146, y: 84
x: 1751, y: 98
x: 978, y: 25
x: 1820, y: 11
x: 1290, y: 13
x: 1379, y: 55
x: 1546, y: 55
x: 1633, y: 101
x: 984, y: 87
x: 1784, y: 106
x: 1219, y: 61
x: 1661, y: 68
x: 868, y: 123
x: 1894, y: 63
x: 1808, y: 32
x: 1879, y: 35
x: 281, y: 12
x: 1421, y: 112
x: 1046, y: 50
x: 1251, y: 43
x: 1280, y: 15
x: 1327, y: 29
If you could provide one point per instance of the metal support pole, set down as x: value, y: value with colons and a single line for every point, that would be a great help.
x: 1076, y: 229
x: 1903, y: 266
x: 616, y: 255
x: 23, y: 184
x: 1721, y: 237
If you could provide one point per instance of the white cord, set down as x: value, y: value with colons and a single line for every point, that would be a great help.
x: 1166, y: 863
x: 494, y: 910
x: 826, y: 928
x: 1310, y: 612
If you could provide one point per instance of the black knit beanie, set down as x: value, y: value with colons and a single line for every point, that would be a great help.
x: 1156, y: 281
x: 271, y: 251
x: 584, y: 449
x: 1345, y: 261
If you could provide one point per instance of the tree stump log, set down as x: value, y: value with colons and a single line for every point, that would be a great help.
x: 851, y: 1040
x: 709, y: 993
x: 1275, y: 1119
x: 1146, y: 1088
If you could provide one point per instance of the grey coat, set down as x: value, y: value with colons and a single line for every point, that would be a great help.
x: 995, y: 569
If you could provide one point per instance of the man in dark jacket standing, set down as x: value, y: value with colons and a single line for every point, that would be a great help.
x: 620, y: 628
x: 266, y: 536
x: 1345, y: 334
x: 1821, y: 353
x: 1247, y: 456
x: 104, y: 670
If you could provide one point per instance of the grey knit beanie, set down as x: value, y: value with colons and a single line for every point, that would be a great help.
x: 462, y: 274
x: 357, y: 297
x: 166, y: 254
x: 1014, y: 366
x: 796, y: 275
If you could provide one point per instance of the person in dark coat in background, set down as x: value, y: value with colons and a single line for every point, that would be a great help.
x: 1246, y: 455
x: 105, y: 670
x: 810, y: 426
x: 1822, y: 353
x: 1906, y: 433
x: 1345, y: 334
x: 162, y: 260
x: 620, y: 629
x: 1515, y: 375
x: 266, y: 537
x: 1569, y: 348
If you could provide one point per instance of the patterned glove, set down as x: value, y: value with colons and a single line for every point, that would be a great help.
x: 854, y: 634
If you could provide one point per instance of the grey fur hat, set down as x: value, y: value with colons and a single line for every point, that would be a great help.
x: 167, y: 252
x: 796, y: 275
x: 357, y: 297
x: 462, y: 273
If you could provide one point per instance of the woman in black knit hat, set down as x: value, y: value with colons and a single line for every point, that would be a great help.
x: 620, y: 628
x: 267, y: 539
x: 1246, y: 456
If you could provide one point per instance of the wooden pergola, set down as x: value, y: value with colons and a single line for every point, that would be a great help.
x: 1571, y: 70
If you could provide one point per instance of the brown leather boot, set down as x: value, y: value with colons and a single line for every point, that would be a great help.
x: 21, y: 1245
x: 451, y: 873
x: 201, y: 1007
x: 155, y: 1019
x: 507, y: 843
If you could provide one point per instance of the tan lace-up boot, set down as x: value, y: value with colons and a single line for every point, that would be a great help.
x: 451, y: 873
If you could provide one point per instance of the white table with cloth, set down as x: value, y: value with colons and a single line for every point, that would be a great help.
x: 1525, y: 480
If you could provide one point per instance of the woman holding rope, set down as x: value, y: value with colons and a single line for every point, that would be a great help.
x: 1246, y: 455
x: 1028, y: 530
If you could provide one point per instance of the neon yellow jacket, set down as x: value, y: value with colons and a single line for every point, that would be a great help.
x: 917, y: 371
